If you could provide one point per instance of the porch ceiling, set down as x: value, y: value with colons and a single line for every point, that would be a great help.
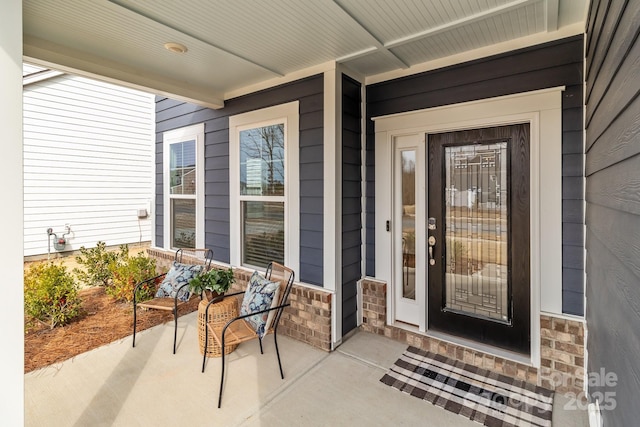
x: 234, y: 46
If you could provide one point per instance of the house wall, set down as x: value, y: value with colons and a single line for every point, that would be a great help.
x: 351, y: 199
x: 559, y: 63
x: 171, y: 114
x: 87, y: 163
x: 612, y: 171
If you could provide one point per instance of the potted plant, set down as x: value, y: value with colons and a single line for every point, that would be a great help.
x: 216, y: 281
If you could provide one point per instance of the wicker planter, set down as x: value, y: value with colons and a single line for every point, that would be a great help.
x: 219, y: 314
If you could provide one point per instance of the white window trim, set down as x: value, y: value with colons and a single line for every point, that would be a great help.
x: 171, y: 137
x: 289, y: 115
x: 543, y: 110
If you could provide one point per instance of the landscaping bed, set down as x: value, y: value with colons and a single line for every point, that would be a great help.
x: 102, y: 321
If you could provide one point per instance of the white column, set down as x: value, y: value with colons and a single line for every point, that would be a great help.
x: 332, y: 242
x: 11, y: 251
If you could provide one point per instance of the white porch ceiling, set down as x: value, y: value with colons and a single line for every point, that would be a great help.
x: 234, y: 46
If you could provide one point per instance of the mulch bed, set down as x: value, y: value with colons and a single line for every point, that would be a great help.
x: 103, y: 321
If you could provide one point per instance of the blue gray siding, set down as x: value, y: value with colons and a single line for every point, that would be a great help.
x: 558, y: 63
x: 171, y: 114
x: 613, y: 205
x: 351, y: 199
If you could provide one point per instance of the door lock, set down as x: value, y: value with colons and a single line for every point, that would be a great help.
x: 432, y: 243
x: 431, y: 223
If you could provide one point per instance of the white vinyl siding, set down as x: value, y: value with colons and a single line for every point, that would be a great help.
x: 88, y: 163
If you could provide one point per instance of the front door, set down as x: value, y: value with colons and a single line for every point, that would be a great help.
x: 478, y: 235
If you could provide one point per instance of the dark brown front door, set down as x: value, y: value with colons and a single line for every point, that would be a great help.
x: 478, y: 228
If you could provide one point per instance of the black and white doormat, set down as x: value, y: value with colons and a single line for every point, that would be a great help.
x: 483, y: 396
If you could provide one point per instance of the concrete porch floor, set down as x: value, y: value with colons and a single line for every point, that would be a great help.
x: 117, y: 385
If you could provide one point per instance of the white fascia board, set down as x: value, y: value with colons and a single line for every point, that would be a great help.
x: 52, y: 55
x: 277, y: 81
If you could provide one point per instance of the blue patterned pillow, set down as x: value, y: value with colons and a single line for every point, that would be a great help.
x: 178, y: 275
x: 258, y: 296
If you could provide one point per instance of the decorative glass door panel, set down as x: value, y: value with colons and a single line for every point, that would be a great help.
x: 408, y: 195
x: 476, y: 223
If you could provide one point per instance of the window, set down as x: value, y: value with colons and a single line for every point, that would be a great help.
x: 183, y: 187
x: 264, y: 186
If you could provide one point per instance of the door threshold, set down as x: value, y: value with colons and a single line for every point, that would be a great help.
x: 478, y: 346
x: 472, y: 345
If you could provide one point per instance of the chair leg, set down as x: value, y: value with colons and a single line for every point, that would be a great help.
x: 206, y: 341
x: 260, y: 341
x: 134, y: 324
x: 275, y: 340
x: 175, y: 329
x: 222, y: 373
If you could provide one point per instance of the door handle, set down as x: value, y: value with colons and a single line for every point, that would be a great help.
x: 432, y: 244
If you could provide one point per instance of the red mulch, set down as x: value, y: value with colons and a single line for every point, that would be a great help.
x: 103, y: 321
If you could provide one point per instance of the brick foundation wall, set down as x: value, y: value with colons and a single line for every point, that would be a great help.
x: 562, y: 345
x: 562, y: 353
x: 307, y: 319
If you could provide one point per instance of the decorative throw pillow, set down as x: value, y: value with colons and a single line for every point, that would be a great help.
x: 258, y: 296
x: 178, y: 275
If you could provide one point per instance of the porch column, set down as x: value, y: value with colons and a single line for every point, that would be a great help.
x: 11, y: 252
x: 332, y: 200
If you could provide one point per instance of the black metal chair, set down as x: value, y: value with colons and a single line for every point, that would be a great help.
x: 202, y: 257
x: 238, y: 329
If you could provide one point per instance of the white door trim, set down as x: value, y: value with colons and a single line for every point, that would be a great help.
x: 543, y: 110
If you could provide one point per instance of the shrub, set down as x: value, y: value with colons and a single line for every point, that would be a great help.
x: 127, y: 271
x: 51, y: 294
x: 96, y: 262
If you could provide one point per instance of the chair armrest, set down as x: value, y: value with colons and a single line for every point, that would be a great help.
x: 175, y: 298
x: 266, y: 310
x: 244, y: 316
x: 137, y: 286
x: 148, y: 280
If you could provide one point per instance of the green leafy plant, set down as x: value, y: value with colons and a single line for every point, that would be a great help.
x: 96, y: 265
x: 50, y: 294
x: 214, y: 280
x: 127, y: 271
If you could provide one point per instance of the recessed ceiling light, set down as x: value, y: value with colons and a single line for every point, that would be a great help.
x: 175, y: 47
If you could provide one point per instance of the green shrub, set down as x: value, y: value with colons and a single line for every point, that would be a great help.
x: 127, y: 271
x: 96, y: 262
x: 51, y: 294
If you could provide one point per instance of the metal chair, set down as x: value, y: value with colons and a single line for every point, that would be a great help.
x: 238, y: 330
x: 195, y: 257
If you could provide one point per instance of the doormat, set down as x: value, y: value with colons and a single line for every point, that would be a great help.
x: 480, y: 395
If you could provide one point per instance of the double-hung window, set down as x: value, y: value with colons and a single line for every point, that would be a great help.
x: 264, y: 185
x: 183, y: 160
